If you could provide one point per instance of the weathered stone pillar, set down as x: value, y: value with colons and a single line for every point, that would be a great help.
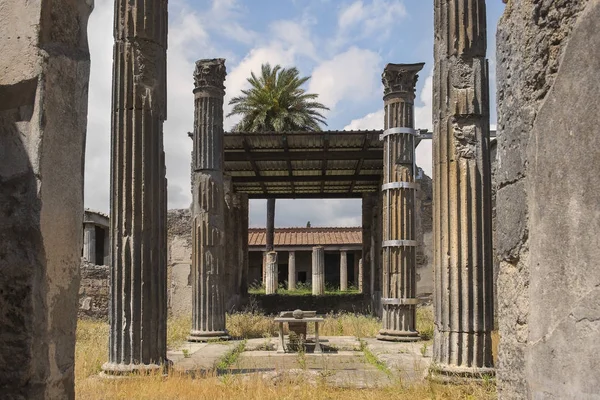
x: 208, y: 221
x: 272, y: 273
x: 318, y: 271
x: 44, y: 73
x: 461, y: 177
x: 343, y: 271
x: 360, y: 275
x: 138, y: 208
x: 398, y: 204
x: 292, y: 270
x: 368, y: 202
x: 89, y: 243
x: 244, y: 242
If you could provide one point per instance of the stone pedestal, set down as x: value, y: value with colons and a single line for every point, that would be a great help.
x: 208, y: 223
x: 138, y: 312
x: 272, y: 273
x: 318, y: 271
x: 292, y: 270
x: 399, y: 197
x: 343, y: 271
x: 89, y: 243
x: 463, y: 296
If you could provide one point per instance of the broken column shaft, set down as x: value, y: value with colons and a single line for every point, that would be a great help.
x: 208, y: 222
x: 343, y: 271
x: 292, y: 270
x: 318, y: 271
x: 399, y: 197
x: 360, y: 275
x: 462, y: 192
x: 272, y: 272
x: 138, y: 306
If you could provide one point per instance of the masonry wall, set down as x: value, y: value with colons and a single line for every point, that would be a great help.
x: 548, y: 214
x: 44, y: 73
x: 94, y: 291
x: 179, y: 262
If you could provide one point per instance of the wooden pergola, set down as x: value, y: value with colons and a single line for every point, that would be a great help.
x: 327, y: 164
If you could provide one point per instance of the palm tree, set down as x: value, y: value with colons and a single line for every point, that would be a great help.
x: 276, y: 102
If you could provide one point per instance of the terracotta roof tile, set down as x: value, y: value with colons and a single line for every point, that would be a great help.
x: 307, y: 236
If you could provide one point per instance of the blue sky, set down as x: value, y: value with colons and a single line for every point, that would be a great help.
x: 343, y: 45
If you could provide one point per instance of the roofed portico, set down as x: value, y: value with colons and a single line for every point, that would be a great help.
x: 304, y: 165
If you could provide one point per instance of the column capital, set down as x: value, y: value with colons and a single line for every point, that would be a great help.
x: 210, y: 74
x: 400, y: 79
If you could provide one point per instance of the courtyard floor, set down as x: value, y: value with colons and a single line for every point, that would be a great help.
x: 345, y: 361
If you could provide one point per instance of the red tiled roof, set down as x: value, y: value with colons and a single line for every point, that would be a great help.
x: 307, y: 236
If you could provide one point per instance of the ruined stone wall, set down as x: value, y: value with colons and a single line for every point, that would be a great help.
x: 44, y: 73
x: 94, y: 291
x: 179, y: 262
x: 548, y: 219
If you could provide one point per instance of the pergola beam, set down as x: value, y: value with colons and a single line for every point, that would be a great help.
x: 316, y: 195
x: 305, y: 178
x: 360, y: 162
x: 308, y: 155
x: 249, y: 158
x: 286, y: 150
x: 324, y: 162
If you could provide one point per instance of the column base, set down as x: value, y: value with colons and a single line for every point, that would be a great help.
x: 459, y: 374
x: 208, y: 336
x: 398, y: 336
x: 114, y: 371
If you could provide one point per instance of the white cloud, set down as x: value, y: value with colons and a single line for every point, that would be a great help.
x: 367, y: 19
x: 296, y: 36
x: 320, y: 212
x: 97, y: 161
x: 352, y: 75
x: 188, y: 41
x: 375, y: 120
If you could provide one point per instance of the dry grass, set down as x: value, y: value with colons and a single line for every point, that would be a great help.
x: 253, y: 324
x: 256, y: 388
x: 92, y: 345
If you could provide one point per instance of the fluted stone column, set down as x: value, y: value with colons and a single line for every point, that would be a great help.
x: 360, y: 275
x: 208, y: 222
x: 343, y: 271
x: 138, y: 306
x: 399, y: 197
x: 272, y: 272
x: 292, y: 270
x: 318, y: 271
x: 89, y: 243
x: 461, y: 177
